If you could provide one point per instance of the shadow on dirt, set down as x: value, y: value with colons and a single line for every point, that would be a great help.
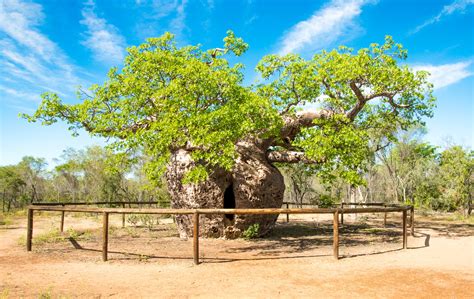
x: 297, y: 239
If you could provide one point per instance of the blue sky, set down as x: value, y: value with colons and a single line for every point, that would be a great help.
x: 57, y: 45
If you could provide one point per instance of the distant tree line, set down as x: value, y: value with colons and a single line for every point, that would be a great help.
x: 91, y: 175
x: 404, y: 171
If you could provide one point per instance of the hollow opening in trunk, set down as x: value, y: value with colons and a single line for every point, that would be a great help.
x: 229, y: 201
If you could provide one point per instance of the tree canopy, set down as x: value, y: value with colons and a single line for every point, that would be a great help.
x: 324, y: 110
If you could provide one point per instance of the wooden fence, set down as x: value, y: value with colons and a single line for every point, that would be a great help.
x: 196, y: 212
x: 368, y: 204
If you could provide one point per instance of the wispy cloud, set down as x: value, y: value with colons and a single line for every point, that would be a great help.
x: 446, y: 74
x: 30, y: 63
x: 20, y: 94
x: 456, y: 6
x: 324, y: 27
x: 163, y: 15
x: 18, y: 20
x: 178, y: 24
x: 102, y: 38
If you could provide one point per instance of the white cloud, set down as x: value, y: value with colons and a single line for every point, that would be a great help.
x: 178, y: 23
x: 164, y: 8
x: 33, y: 97
x: 163, y: 15
x: 324, y: 27
x: 18, y: 21
x: 456, y: 6
x: 30, y: 62
x: 446, y: 74
x: 103, y: 39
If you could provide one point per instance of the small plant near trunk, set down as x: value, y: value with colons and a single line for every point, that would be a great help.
x: 251, y: 232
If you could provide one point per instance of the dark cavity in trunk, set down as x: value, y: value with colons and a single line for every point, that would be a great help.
x: 229, y: 201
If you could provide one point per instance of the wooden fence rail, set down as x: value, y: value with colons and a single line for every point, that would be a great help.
x: 98, y: 203
x: 285, y: 203
x: 196, y: 212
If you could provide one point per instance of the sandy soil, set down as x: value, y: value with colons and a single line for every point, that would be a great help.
x: 295, y: 261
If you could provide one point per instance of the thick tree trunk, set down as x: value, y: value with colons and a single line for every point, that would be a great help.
x: 252, y: 183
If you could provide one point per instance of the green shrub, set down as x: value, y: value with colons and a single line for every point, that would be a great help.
x: 132, y: 219
x: 326, y: 201
x: 251, y: 232
x: 5, y: 220
x: 442, y: 204
x: 145, y: 220
x: 148, y: 221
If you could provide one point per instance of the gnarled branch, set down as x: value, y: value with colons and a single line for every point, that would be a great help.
x: 395, y: 105
x: 290, y: 157
x: 293, y: 124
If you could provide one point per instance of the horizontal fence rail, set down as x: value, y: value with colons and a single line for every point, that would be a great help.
x: 60, y: 207
x: 99, y: 203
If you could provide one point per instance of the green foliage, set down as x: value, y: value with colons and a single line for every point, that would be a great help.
x: 5, y: 219
x: 341, y: 146
x: 251, y: 232
x: 92, y: 174
x: 442, y: 203
x: 235, y: 44
x: 167, y: 98
x: 51, y: 236
x: 11, y: 180
x: 456, y: 175
x: 326, y: 201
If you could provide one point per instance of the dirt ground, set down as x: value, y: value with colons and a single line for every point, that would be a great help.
x: 294, y: 261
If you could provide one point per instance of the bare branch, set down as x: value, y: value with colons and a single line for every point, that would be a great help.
x: 293, y: 124
x: 361, y: 100
x: 357, y: 92
x: 395, y: 105
x: 290, y: 157
x: 214, y: 55
x: 294, y: 103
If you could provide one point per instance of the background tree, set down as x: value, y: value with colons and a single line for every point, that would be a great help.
x: 11, y: 184
x: 217, y: 140
x: 405, y: 162
x: 299, y: 182
x: 32, y: 171
x: 456, y: 174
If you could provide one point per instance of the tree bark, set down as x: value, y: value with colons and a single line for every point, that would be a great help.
x: 252, y: 183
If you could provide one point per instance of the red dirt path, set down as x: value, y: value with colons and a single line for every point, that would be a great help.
x: 288, y: 266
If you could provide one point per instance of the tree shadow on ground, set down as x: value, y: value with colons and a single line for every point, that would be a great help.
x: 125, y: 255
x: 302, y: 239
x: 446, y: 229
x: 287, y: 238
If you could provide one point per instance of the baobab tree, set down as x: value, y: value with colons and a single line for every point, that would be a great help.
x: 216, y: 140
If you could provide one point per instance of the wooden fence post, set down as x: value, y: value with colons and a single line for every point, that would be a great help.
x: 105, y: 235
x: 29, y: 232
x: 123, y: 217
x: 335, y: 244
x: 287, y: 215
x: 342, y: 213
x: 404, y: 229
x: 385, y: 217
x: 196, y: 238
x: 62, y: 220
x: 412, y: 221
